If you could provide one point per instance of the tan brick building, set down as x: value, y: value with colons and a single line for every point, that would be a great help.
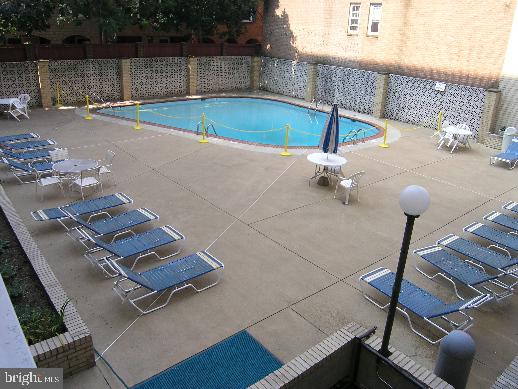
x: 458, y: 41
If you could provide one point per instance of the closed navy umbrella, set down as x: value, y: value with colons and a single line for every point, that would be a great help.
x: 329, y: 138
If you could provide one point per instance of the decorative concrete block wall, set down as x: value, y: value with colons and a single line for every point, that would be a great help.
x: 20, y: 77
x: 98, y: 78
x: 285, y: 77
x: 414, y: 100
x: 158, y: 77
x: 216, y: 74
x: 351, y: 89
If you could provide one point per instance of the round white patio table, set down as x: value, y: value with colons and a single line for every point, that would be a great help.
x: 456, y: 134
x: 326, y: 165
x: 69, y: 166
x: 453, y: 130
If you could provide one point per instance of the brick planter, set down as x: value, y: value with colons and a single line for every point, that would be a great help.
x: 73, y: 350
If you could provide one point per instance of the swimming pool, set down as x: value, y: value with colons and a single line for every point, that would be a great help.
x: 249, y: 120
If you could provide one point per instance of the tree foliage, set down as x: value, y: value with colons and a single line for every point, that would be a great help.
x: 111, y: 16
x: 200, y: 17
x: 22, y: 17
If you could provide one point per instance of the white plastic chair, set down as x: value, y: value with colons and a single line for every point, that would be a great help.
x: 441, y: 133
x: 24, y: 101
x: 45, y: 182
x: 88, y: 179
x: 348, y: 184
x: 464, y: 139
x: 106, y: 164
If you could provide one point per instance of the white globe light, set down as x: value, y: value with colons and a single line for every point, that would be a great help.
x: 414, y: 200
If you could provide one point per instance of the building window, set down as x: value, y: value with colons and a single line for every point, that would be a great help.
x: 354, y: 18
x: 250, y: 16
x: 374, y: 19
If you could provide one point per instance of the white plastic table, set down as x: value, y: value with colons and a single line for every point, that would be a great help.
x: 455, y: 135
x: 70, y: 166
x: 10, y: 101
x: 326, y: 165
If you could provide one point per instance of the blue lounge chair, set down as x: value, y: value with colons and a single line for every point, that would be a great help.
x: 511, y: 206
x: 115, y: 226
x: 452, y: 268
x: 141, y: 245
x: 426, y: 306
x: 30, y: 145
x: 510, y: 156
x: 21, y: 170
x: 501, y: 240
x: 18, y: 137
x: 35, y: 155
x: 92, y: 207
x: 173, y: 277
x: 503, y: 220
x: 478, y: 254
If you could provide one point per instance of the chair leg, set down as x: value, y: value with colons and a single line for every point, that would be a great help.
x: 336, y: 189
x: 347, y: 193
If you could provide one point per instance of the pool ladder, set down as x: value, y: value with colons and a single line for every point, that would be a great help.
x: 315, y: 109
x: 353, y: 136
x: 198, y: 129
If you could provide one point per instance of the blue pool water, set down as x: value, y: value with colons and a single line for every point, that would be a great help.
x: 247, y: 119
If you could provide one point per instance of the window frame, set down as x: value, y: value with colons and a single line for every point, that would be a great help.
x: 252, y: 17
x: 371, y: 20
x: 349, y: 24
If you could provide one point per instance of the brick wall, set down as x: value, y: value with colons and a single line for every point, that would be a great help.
x: 461, y: 42
x: 508, y: 113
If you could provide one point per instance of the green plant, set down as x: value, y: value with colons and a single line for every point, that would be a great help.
x: 7, y: 270
x: 40, y: 324
x: 3, y: 245
x: 14, y: 290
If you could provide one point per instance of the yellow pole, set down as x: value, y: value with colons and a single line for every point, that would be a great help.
x: 58, y: 96
x: 286, y: 153
x: 439, y: 124
x: 88, y: 116
x: 203, y: 130
x: 137, y: 116
x: 385, y: 144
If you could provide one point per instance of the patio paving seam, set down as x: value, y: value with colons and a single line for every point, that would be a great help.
x: 237, y: 218
x: 358, y: 153
x: 115, y: 142
x: 289, y: 210
x: 330, y: 197
x: 413, y: 171
x: 308, y: 321
x: 288, y: 249
x: 290, y: 307
x: 171, y: 179
x: 413, y: 241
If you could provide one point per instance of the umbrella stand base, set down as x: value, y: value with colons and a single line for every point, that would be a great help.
x: 323, y: 181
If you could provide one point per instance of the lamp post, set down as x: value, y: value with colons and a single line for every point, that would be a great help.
x: 414, y: 201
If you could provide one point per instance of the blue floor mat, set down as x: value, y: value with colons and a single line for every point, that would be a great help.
x: 236, y: 362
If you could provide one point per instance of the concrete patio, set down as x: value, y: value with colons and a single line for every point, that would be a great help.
x: 292, y: 261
